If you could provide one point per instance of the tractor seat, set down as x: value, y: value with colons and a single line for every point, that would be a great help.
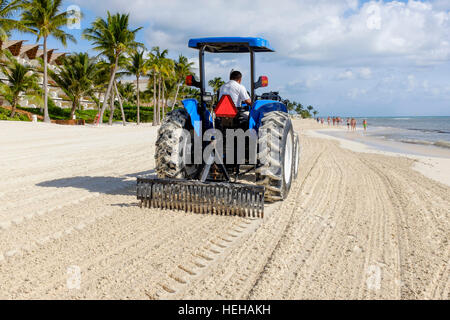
x: 243, y: 117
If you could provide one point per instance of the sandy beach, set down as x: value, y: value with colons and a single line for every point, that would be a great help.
x: 358, y: 224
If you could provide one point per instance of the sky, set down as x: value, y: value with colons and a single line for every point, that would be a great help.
x: 344, y: 57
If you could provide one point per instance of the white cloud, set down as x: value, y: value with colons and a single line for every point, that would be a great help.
x: 365, y: 73
x: 346, y: 75
x: 360, y: 73
x: 307, y: 30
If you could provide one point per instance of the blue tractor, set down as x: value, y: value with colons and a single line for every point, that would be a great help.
x: 200, y: 168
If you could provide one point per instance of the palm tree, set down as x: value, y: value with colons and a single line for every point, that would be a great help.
x: 20, y: 80
x: 182, y: 70
x: 170, y: 85
x: 138, y: 67
x: 315, y: 112
x: 76, y: 77
x: 298, y: 108
x: 127, y: 90
x: 191, y: 92
x: 100, y: 82
x: 156, y: 65
x: 44, y: 18
x: 153, y: 68
x: 309, y: 108
x: 216, y: 83
x: 290, y: 105
x: 112, y: 37
x: 7, y: 24
x: 106, y: 68
x: 167, y: 71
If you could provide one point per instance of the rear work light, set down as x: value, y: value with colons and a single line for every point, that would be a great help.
x: 264, y: 81
x: 188, y: 81
x: 226, y: 108
x: 192, y: 82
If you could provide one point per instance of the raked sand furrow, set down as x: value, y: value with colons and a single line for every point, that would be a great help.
x: 375, y: 275
x: 317, y: 263
x: 143, y: 258
x: 413, y: 244
x: 308, y: 225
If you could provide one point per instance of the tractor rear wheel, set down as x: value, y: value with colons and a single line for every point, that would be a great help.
x: 276, y: 155
x: 174, y: 145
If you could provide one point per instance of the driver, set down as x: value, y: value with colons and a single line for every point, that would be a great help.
x: 235, y: 90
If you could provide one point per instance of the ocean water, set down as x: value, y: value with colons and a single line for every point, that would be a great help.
x: 433, y: 131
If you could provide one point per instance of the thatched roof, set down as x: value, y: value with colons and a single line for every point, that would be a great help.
x: 57, y: 57
x: 12, y: 45
x: 40, y: 54
x: 17, y: 48
x: 30, y: 50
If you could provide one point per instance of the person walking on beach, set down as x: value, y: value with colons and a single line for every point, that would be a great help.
x: 321, y: 121
x: 328, y: 120
x: 365, y: 124
x: 353, y: 123
x: 348, y: 124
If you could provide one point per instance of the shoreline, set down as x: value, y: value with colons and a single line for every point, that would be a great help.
x: 435, y: 166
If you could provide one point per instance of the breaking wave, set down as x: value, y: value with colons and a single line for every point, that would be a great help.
x: 441, y: 144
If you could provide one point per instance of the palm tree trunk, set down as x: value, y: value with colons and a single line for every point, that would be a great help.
x: 13, y: 109
x: 154, y: 99
x: 176, y: 96
x: 46, y: 116
x: 137, y: 94
x: 163, y: 100
x: 124, y: 121
x: 109, y: 89
x: 111, y: 108
x: 159, y: 100
x: 74, y: 106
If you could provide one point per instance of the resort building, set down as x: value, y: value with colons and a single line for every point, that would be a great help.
x: 29, y: 54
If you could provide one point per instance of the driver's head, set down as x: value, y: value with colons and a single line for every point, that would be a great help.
x: 236, y: 76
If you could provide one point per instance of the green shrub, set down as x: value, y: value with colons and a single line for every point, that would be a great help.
x: 130, y: 111
x: 5, y: 115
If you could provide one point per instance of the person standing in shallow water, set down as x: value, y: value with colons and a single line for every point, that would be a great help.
x: 365, y: 124
x: 348, y: 124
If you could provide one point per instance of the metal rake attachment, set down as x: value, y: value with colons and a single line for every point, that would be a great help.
x: 202, y: 197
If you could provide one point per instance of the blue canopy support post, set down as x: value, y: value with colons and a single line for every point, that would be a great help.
x: 201, y: 61
x: 252, y: 74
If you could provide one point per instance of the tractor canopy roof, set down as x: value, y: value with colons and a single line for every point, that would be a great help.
x: 231, y: 44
